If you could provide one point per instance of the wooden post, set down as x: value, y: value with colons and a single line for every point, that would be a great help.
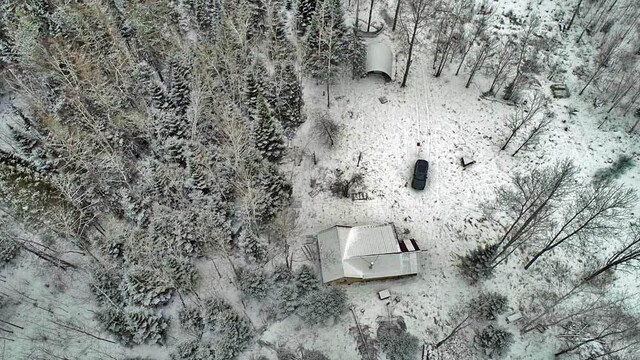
x: 359, y: 158
x: 315, y: 160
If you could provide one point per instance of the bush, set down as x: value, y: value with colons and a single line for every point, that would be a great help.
x: 212, y: 309
x: 190, y: 319
x: 396, y: 342
x: 233, y: 336
x: 8, y: 249
x: 319, y: 305
x: 617, y: 169
x: 184, y: 274
x: 477, y: 264
x: 252, y: 282
x: 281, y: 274
x: 106, y: 286
x: 494, y: 341
x: 341, y: 187
x: 488, y: 305
x: 313, y: 355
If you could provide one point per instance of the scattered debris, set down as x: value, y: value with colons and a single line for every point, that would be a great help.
x: 467, y: 161
x: 513, y: 317
x: 560, y: 91
x: 383, y: 99
x: 359, y: 196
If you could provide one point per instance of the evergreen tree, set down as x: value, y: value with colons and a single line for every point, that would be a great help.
x: 258, y: 15
x: 305, y: 12
x: 356, y: 54
x: 275, y: 193
x: 267, y: 134
x: 251, y: 92
x: 180, y: 89
x: 306, y: 280
x: 251, y: 245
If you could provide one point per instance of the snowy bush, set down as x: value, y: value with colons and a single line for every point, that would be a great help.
x: 494, y: 341
x: 233, y: 335
x: 313, y: 355
x: 395, y: 341
x: 106, y: 286
x: 252, y: 282
x: 8, y: 249
x: 187, y: 350
x: 281, y: 274
x: 320, y: 305
x: 488, y: 305
x: 285, y: 354
x: 617, y: 169
x: 288, y: 300
x: 341, y: 187
x: 134, y: 325
x: 147, y: 287
x: 477, y: 263
x: 367, y: 346
x: 184, y: 274
x: 191, y: 319
x: 213, y: 307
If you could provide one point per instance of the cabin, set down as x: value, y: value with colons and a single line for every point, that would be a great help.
x: 359, y: 253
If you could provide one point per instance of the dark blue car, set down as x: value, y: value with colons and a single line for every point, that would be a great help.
x: 420, y: 174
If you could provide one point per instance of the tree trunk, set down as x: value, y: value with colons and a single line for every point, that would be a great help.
x: 370, y: 11
x: 477, y: 65
x: 573, y: 17
x: 406, y: 70
x: 395, y: 17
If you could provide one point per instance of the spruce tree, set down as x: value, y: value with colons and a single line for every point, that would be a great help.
x: 274, y: 190
x: 305, y: 12
x: 251, y: 245
x: 356, y: 54
x: 267, y: 134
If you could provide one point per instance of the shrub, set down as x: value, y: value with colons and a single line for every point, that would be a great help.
x: 8, y: 249
x: 319, y: 305
x: 477, y: 264
x: 190, y: 319
x: 396, y: 342
x: 233, y: 336
x: 281, y: 274
x: 252, y: 282
x: 488, y: 305
x: 617, y: 169
x: 106, y: 286
x: 212, y: 309
x: 313, y: 355
x: 341, y: 187
x: 494, y: 341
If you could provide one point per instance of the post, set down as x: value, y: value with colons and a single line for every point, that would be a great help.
x: 359, y: 158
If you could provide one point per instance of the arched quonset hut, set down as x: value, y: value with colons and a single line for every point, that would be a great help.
x: 379, y: 57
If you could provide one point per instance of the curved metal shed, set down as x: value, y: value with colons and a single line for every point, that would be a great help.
x: 379, y: 58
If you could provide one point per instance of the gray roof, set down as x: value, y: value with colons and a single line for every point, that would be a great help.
x: 364, y: 252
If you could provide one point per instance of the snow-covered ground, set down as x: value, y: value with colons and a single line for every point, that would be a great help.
x: 439, y: 120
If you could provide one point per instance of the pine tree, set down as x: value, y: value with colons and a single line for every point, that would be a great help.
x: 180, y: 90
x: 306, y: 10
x: 251, y: 245
x: 356, y: 54
x: 258, y: 15
x: 267, y: 134
x: 306, y: 280
x: 275, y: 193
x: 251, y: 92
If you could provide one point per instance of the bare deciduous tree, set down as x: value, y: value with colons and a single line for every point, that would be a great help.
x: 523, y: 48
x: 479, y: 59
x: 627, y: 255
x: 530, y: 204
x: 524, y: 114
x: 326, y: 129
x: 534, y: 134
x: 418, y: 19
x: 502, y: 64
x: 597, y: 210
x: 480, y: 27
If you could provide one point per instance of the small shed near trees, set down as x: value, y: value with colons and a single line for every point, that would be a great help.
x: 358, y: 253
x: 379, y: 57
